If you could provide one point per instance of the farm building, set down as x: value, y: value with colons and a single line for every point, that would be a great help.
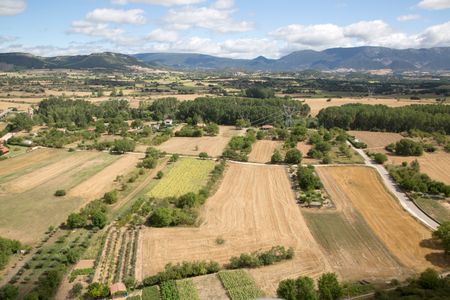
x: 168, y: 122
x: 267, y: 127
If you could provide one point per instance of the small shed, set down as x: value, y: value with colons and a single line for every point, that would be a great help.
x: 267, y: 127
x: 168, y: 122
x: 315, y: 204
x: 118, y: 290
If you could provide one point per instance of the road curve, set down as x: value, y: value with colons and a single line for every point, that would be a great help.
x: 395, y: 190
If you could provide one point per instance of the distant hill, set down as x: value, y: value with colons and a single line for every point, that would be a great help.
x: 106, y: 60
x: 358, y: 59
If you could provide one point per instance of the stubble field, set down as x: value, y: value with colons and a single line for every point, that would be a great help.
x: 262, y: 151
x: 253, y: 209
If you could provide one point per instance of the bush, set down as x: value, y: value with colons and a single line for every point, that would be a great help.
x: 276, y: 157
x: 149, y: 163
x: 262, y: 258
x: 203, y: 155
x: 329, y: 287
x: 76, y: 220
x: 174, y: 158
x: 60, y: 193
x: 159, y: 175
x: 111, y: 197
x: 307, y: 179
x: 76, y: 290
x: 380, y: 158
x: 9, y: 292
x: 161, y: 217
x: 300, y: 289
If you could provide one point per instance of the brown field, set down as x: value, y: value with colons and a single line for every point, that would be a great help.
x: 376, y: 140
x: 262, y: 151
x: 354, y: 251
x: 317, y: 104
x: 404, y: 237
x: 20, y: 106
x: 209, y: 287
x: 214, y: 146
x: 29, y: 192
x: 253, y: 209
x: 303, y: 147
x: 102, y: 182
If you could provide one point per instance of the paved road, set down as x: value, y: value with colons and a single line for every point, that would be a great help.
x: 405, y: 202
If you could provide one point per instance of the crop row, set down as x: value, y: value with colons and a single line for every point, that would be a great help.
x: 239, y: 285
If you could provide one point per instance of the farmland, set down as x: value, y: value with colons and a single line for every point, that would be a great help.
x: 30, y: 195
x: 404, y: 237
x: 262, y: 151
x: 213, y: 146
x: 253, y: 209
x: 354, y: 249
x: 187, y: 175
x: 376, y: 140
x: 239, y: 285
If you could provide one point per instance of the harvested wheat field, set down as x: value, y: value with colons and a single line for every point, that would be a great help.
x: 436, y: 165
x: 102, y: 182
x: 404, y: 237
x: 214, y: 146
x: 254, y: 208
x: 262, y: 151
x: 31, y: 195
x: 317, y: 104
x: 354, y: 250
x: 376, y: 140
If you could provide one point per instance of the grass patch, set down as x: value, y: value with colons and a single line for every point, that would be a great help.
x: 187, y: 175
x: 151, y: 293
x: 434, y: 208
x: 187, y: 290
x: 239, y: 285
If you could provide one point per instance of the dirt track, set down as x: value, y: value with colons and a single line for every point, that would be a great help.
x: 405, y: 237
x: 214, y: 146
x: 262, y: 151
x: 253, y: 209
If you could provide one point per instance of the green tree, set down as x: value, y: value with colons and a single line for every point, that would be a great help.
x: 242, y: 123
x: 329, y: 287
x: 99, y: 219
x: 212, y: 129
x: 161, y: 217
x: 159, y: 175
x: 75, y: 220
x: 203, y: 155
x: 443, y: 234
x: 287, y: 289
x: 98, y: 290
x: 22, y: 121
x: 9, y: 292
x: 293, y: 156
x: 429, y: 279
x: 407, y: 147
x: 276, y: 157
x: 111, y: 197
x: 123, y: 145
x: 305, y: 289
x: 380, y: 158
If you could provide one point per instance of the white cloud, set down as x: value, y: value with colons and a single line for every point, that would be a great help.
x: 12, y: 7
x: 217, y: 17
x: 160, y: 35
x: 7, y: 39
x: 159, y: 2
x: 434, y: 4
x: 250, y: 48
x: 94, y: 29
x: 311, y: 36
x: 407, y: 18
x: 437, y: 35
x: 105, y: 15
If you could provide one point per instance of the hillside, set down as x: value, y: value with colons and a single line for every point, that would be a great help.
x: 358, y: 59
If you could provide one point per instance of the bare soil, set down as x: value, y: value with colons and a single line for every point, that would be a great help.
x: 262, y: 151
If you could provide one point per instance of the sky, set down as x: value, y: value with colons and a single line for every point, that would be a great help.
x: 228, y: 28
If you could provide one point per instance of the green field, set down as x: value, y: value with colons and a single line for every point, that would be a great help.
x: 187, y: 290
x: 434, y: 209
x: 31, y: 196
x: 187, y: 175
x: 239, y: 285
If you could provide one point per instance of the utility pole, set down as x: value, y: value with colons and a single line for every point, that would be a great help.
x: 289, y: 112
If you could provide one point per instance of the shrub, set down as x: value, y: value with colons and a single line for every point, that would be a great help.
x: 329, y: 287
x: 159, y: 175
x: 111, y: 197
x: 307, y: 179
x: 60, y: 193
x: 407, y: 147
x: 262, y: 258
x: 203, y: 155
x: 76, y: 220
x: 276, y: 157
x: 380, y: 158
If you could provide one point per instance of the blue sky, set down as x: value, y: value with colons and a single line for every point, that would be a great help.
x: 239, y: 28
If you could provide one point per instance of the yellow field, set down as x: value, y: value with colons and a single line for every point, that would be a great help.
x: 187, y: 175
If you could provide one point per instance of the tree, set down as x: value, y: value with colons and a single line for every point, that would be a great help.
x: 329, y: 287
x: 122, y: 146
x: 99, y: 219
x: 429, y: 279
x: 307, y: 179
x: 110, y: 197
x: 161, y: 217
x: 76, y: 290
x: 159, y: 175
x: 380, y: 158
x: 188, y: 200
x: 276, y: 157
x: 22, y: 121
x: 259, y: 92
x: 75, y: 220
x: 98, y: 290
x: 60, y: 193
x: 407, y: 147
x: 305, y: 289
x: 149, y: 163
x: 203, y: 155
x: 293, y: 156
x: 443, y: 234
x: 242, y: 123
x: 212, y: 129
x: 9, y: 292
x: 287, y: 289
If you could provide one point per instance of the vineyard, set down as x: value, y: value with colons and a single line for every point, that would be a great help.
x: 239, y: 285
x: 117, y: 260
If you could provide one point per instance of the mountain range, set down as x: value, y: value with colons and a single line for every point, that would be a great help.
x: 357, y: 58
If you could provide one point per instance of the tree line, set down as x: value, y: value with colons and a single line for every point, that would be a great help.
x: 428, y: 118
